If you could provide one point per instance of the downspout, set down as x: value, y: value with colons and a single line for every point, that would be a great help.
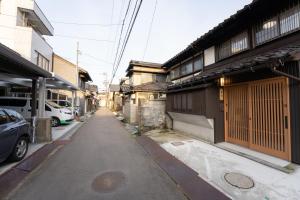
x: 171, y: 118
x: 284, y: 74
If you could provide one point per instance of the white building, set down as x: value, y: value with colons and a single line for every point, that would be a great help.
x: 22, y: 26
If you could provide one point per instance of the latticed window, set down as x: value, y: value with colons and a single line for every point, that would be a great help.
x: 290, y: 20
x: 233, y: 46
x: 198, y: 63
x: 266, y: 31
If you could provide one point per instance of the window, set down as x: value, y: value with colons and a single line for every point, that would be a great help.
x: 224, y: 50
x: 176, y: 72
x: 43, y: 62
x: 3, y: 118
x: 233, y: 46
x: 47, y: 108
x: 290, y: 20
x: 239, y: 43
x: 198, y: 63
x: 14, y: 116
x: 187, y: 68
x: 266, y: 31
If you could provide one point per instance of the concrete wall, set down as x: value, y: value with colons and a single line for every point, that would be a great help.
x: 130, y: 111
x: 65, y: 69
x: 126, y: 110
x: 24, y: 40
x: 152, y: 113
x: 195, y: 125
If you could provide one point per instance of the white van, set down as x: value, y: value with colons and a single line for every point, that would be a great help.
x: 58, y: 114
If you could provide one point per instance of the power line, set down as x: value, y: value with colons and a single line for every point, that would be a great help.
x: 126, y: 35
x: 83, y: 24
x: 64, y: 36
x: 126, y: 41
x: 150, y: 29
x: 70, y: 23
x: 121, y: 33
x: 116, y: 34
x: 98, y: 59
x: 83, y: 38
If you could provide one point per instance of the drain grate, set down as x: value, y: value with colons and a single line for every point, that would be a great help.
x: 239, y: 180
x: 108, y: 182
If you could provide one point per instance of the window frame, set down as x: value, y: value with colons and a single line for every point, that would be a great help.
x: 188, y: 62
x: 225, y: 49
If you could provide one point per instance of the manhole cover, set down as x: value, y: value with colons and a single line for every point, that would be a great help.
x: 177, y: 143
x: 108, y: 182
x: 239, y: 180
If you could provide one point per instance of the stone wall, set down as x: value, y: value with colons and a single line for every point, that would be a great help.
x: 152, y: 113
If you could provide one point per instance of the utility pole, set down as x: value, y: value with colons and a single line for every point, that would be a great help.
x: 77, y: 63
x: 77, y: 74
x: 105, y: 83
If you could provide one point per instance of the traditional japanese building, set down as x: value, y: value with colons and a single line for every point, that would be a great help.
x: 144, y: 94
x: 239, y: 82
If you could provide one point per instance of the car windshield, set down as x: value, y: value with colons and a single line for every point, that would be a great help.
x: 54, y: 105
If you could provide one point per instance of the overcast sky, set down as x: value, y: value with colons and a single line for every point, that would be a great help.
x: 176, y: 24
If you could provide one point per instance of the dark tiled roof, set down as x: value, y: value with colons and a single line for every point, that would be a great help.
x: 142, y: 64
x: 125, y: 88
x: 151, y: 87
x: 244, y: 64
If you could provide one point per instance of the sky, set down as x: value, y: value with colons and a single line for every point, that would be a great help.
x: 176, y: 24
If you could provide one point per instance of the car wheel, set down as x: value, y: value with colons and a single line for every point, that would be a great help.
x: 55, y: 122
x: 20, y: 149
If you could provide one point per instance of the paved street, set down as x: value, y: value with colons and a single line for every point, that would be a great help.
x: 101, y: 145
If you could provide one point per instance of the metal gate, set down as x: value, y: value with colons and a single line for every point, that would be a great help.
x: 257, y: 116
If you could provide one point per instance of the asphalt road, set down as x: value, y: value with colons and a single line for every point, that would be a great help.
x: 101, y: 145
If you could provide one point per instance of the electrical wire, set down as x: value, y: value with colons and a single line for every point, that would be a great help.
x: 69, y: 23
x: 126, y: 35
x: 126, y: 40
x: 97, y: 59
x: 150, y: 30
x: 121, y: 33
x: 82, y: 38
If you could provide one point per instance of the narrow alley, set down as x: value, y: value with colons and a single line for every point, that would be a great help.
x: 101, y: 145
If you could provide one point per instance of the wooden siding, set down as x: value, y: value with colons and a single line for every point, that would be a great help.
x: 192, y: 102
x: 204, y: 102
x: 257, y: 115
x: 237, y: 115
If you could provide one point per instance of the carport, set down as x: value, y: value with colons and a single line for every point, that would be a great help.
x: 16, y: 70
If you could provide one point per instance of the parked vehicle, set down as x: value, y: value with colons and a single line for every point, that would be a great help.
x: 68, y: 104
x: 14, y: 135
x: 58, y: 114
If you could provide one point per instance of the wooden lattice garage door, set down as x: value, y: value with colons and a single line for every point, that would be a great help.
x: 257, y: 116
